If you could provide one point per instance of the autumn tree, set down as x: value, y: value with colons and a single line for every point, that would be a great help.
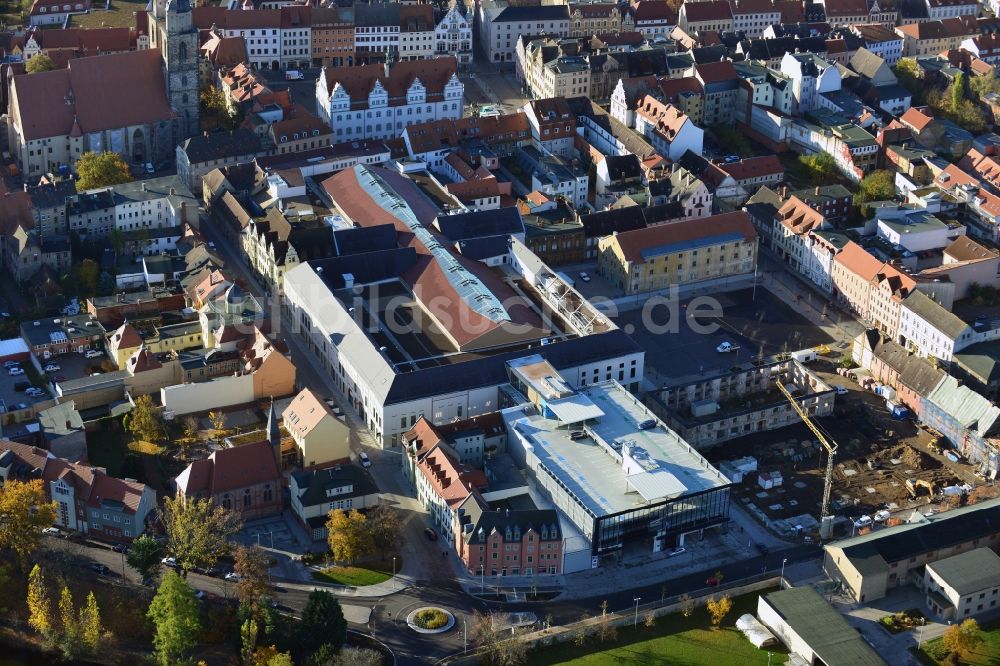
x: 251, y: 563
x: 687, y: 605
x: 349, y: 656
x: 910, y: 77
x: 198, y: 531
x: 39, y: 603
x: 145, y: 421
x: 958, y: 91
x: 175, y: 618
x: 101, y: 170
x: 144, y: 556
x: 961, y: 639
x: 384, y: 527
x: 91, y: 629
x: 191, y: 427
x: 68, y: 638
x: 322, y: 622
x: 347, y: 535
x: 719, y: 608
x: 24, y: 512
x: 217, y: 421
x: 499, y: 646
x: 269, y: 656
x: 39, y: 63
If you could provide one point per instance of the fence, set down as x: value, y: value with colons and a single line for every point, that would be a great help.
x: 627, y: 616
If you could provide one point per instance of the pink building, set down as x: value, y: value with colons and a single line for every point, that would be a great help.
x: 852, y: 274
x: 243, y: 478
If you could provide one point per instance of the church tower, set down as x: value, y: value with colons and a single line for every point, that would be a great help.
x: 176, y: 37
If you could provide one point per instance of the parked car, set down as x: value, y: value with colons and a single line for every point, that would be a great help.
x: 863, y: 521
x: 149, y: 168
x: 199, y: 594
x: 233, y: 576
x: 53, y: 367
x: 169, y: 562
x: 93, y: 353
x: 51, y: 531
x: 727, y: 347
x: 99, y: 568
x: 15, y: 371
x: 22, y: 405
x: 674, y: 552
x: 365, y: 461
x: 431, y: 534
x: 712, y: 582
x: 11, y: 364
x: 119, y: 548
x: 840, y: 390
x: 584, y: 276
x: 34, y: 392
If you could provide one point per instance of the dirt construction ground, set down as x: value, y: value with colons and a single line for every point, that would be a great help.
x: 876, y: 457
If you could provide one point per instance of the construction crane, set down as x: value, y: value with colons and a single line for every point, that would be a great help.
x: 828, y: 444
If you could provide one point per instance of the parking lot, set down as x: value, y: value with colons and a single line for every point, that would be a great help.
x: 676, y: 346
x: 12, y: 399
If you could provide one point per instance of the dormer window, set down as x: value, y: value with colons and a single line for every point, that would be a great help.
x: 284, y: 139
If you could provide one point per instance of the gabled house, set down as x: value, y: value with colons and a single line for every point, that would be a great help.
x: 244, y: 479
x: 322, y: 438
x: 87, y: 499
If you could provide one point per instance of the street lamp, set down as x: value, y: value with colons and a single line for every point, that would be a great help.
x: 783, y: 568
x: 636, y: 622
x: 393, y: 566
x: 482, y: 579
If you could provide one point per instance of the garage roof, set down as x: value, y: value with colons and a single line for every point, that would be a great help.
x: 12, y: 347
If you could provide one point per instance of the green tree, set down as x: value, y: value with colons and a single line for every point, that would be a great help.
x: 24, y: 512
x: 269, y: 656
x: 39, y: 603
x: 198, y: 531
x: 176, y: 620
x: 984, y: 85
x: 384, y: 527
x: 821, y: 168
x: 347, y: 535
x: 101, y: 170
x: 322, y: 622
x: 144, y: 556
x: 39, y: 63
x: 145, y: 421
x: 957, y: 91
x: 876, y: 186
x: 732, y: 140
x: 248, y: 639
x: 91, y: 629
x: 910, y: 77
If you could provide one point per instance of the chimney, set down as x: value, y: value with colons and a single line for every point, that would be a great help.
x: 173, y: 191
x: 784, y: 192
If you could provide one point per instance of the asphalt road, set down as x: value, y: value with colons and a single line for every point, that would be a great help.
x: 388, y: 619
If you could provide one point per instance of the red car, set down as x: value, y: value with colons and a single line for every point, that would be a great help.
x: 712, y: 582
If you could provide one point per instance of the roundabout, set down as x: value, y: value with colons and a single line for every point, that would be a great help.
x: 430, y: 620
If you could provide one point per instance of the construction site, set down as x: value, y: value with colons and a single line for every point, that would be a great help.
x: 882, y: 465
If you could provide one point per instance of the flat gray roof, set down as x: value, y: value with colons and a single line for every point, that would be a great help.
x: 669, y: 468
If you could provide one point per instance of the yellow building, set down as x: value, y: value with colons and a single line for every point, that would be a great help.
x: 680, y: 253
x: 322, y: 438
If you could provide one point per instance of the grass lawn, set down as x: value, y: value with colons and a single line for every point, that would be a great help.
x: 119, y: 16
x: 987, y: 654
x: 364, y: 573
x: 686, y: 641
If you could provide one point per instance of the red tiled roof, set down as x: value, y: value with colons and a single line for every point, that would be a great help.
x: 799, y: 217
x: 230, y: 469
x: 15, y: 211
x: 709, y: 10
x: 857, y: 260
x: 107, y: 92
x: 358, y: 82
x: 715, y: 72
x: 632, y: 243
x: 751, y: 167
